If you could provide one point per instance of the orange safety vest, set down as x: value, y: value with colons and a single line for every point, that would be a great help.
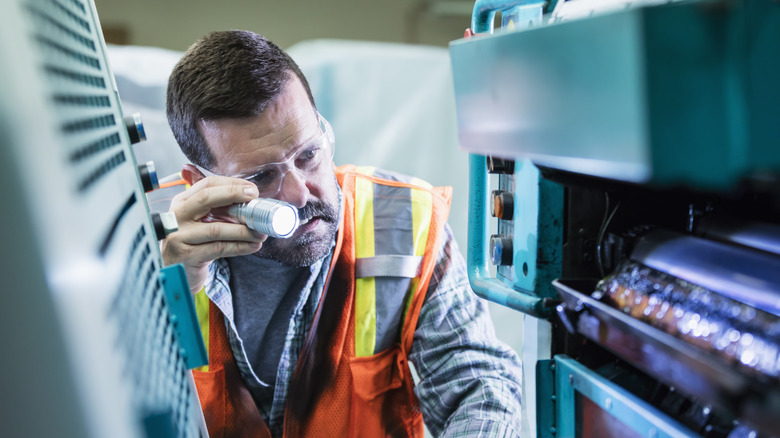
x: 352, y: 378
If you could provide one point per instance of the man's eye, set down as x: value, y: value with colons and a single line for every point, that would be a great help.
x: 309, y: 155
x: 262, y: 177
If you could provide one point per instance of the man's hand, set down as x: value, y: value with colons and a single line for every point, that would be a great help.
x: 200, y: 239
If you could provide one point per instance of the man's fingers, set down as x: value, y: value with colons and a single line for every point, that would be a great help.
x: 207, y: 252
x: 204, y: 242
x: 197, y: 243
x: 205, y: 232
x: 209, y: 193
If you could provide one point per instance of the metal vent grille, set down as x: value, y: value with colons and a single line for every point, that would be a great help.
x: 139, y: 309
x: 98, y: 252
x: 69, y: 47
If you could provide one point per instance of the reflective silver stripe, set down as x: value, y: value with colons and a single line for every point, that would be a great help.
x: 393, y: 236
x: 388, y: 266
x: 393, y: 223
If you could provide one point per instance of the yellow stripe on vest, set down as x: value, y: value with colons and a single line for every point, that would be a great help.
x: 202, y: 311
x: 365, y: 288
x: 421, y: 183
x: 365, y: 170
x: 422, y: 211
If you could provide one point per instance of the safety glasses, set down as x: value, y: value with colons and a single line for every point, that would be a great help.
x: 306, y: 161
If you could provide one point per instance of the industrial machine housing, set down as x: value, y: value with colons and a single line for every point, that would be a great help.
x: 98, y: 336
x: 629, y: 154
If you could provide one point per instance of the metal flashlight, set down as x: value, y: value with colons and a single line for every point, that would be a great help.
x: 267, y: 216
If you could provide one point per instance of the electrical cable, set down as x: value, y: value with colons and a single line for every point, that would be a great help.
x: 602, y: 231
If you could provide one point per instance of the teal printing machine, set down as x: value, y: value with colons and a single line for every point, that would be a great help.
x: 625, y: 193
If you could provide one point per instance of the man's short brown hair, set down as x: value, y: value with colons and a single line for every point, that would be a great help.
x: 226, y: 74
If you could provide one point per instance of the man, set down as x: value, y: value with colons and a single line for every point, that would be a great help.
x: 313, y: 335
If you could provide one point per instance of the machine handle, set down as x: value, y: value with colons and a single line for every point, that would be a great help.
x: 485, y: 12
x: 482, y: 283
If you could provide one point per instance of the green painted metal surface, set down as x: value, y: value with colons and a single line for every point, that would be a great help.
x: 545, y: 399
x: 538, y: 231
x: 681, y: 94
x: 182, y: 313
x: 482, y: 282
x: 572, y: 378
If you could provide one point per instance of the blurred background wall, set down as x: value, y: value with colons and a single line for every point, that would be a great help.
x: 175, y: 24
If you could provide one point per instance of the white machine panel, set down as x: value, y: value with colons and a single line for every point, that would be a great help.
x: 89, y: 347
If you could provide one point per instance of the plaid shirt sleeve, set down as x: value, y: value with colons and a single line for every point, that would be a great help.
x: 469, y: 380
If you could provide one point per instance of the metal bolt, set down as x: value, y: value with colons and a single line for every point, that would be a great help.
x: 552, y: 430
x: 571, y: 379
x: 609, y: 403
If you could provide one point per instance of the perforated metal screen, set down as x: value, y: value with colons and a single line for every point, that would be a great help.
x: 95, y: 352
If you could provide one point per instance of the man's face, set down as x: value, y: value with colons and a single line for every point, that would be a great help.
x: 285, y: 129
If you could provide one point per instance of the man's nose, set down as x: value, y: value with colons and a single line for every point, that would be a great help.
x: 294, y: 189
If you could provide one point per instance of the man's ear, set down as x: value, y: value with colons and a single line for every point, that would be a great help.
x: 191, y: 174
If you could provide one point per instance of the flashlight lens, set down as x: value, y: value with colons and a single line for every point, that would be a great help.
x: 284, y: 221
x: 267, y: 216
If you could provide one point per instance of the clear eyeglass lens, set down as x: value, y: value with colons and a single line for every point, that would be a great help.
x: 306, y: 163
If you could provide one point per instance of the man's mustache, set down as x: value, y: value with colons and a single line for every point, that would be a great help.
x: 317, y: 208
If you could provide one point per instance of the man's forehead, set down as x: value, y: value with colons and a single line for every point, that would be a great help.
x: 263, y: 130
x: 241, y: 143
x: 288, y: 111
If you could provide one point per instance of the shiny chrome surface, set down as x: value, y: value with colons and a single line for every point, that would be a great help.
x: 660, y: 354
x: 741, y: 274
x: 757, y: 235
x: 694, y: 371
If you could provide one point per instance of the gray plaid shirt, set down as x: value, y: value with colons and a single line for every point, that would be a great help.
x: 469, y: 382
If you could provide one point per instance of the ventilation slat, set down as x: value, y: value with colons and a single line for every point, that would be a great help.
x: 117, y: 220
x: 75, y: 76
x: 102, y: 171
x: 46, y: 21
x: 77, y: 19
x: 83, y: 100
x: 78, y: 4
x: 105, y: 143
x: 89, y: 124
x: 62, y: 49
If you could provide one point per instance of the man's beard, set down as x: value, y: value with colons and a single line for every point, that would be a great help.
x: 307, y: 248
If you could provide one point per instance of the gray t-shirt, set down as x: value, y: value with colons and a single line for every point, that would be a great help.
x: 265, y: 294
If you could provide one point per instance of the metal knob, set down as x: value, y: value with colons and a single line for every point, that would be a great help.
x: 148, y: 175
x: 501, y: 250
x: 500, y: 165
x: 164, y: 224
x: 135, y: 128
x: 503, y: 205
